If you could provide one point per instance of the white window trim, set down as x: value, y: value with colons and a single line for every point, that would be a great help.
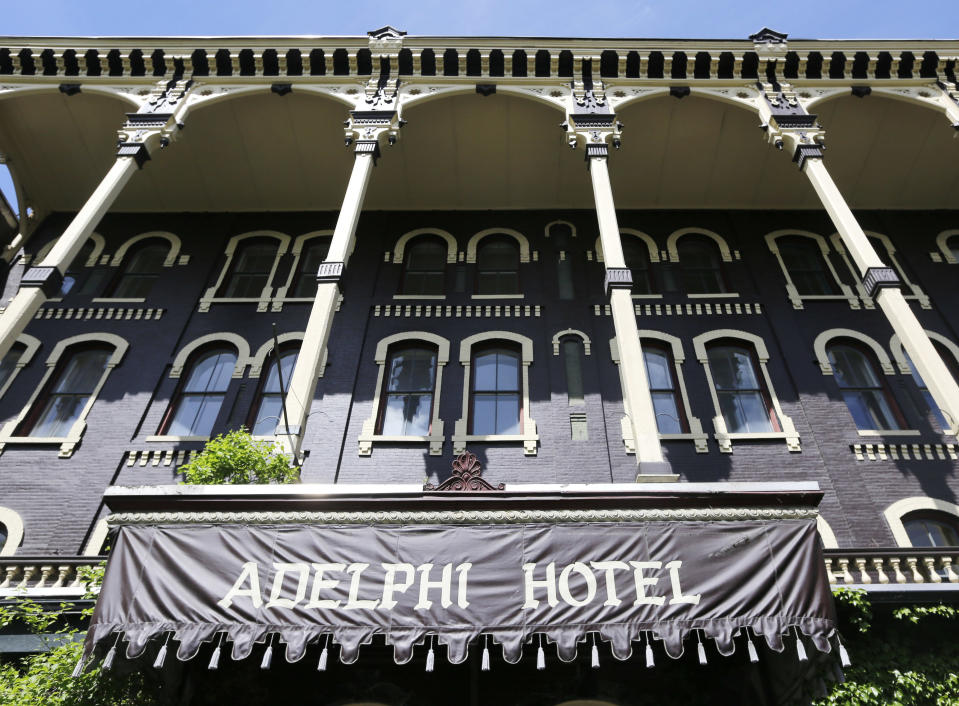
x: 258, y: 360
x: 725, y: 253
x: 942, y: 242
x: 524, y: 249
x: 69, y: 442
x: 399, y: 250
x: 99, y: 243
x: 435, y: 439
x: 648, y: 241
x: 823, y: 339
x: 263, y: 301
x: 795, y: 297
x: 94, y: 545
x: 172, y: 258
x: 910, y: 290
x: 547, y: 231
x: 557, y: 339
x: 899, y: 353
x: 722, y: 435
x: 695, y: 433
x: 242, y: 352
x: 826, y: 534
x: 31, y: 346
x: 529, y: 438
x: 899, y: 509
x: 297, y: 250
x: 14, y: 524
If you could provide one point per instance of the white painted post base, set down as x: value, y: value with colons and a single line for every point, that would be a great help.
x: 26, y: 302
x: 928, y: 362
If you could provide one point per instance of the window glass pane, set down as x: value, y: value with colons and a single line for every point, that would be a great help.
x: 311, y: 257
x: 69, y: 393
x: 77, y: 269
x: 427, y: 254
x: 658, y: 371
x: 268, y: 415
x: 250, y: 269
x: 920, y: 383
x: 637, y: 260
x: 484, y: 414
x: 573, y: 361
x: 564, y: 275
x: 9, y: 362
x: 870, y: 409
x: 851, y: 367
x: 700, y: 264
x: 287, y: 363
x: 953, y: 244
x: 497, y: 266
x: 269, y: 407
x: 807, y: 268
x: 484, y: 371
x: 408, y: 415
x: 732, y: 368
x: 412, y: 369
x: 196, y: 414
x: 744, y: 412
x: 212, y: 372
x: 507, y: 414
x: 930, y: 532
x: 667, y: 415
x: 58, y: 415
x: 82, y: 372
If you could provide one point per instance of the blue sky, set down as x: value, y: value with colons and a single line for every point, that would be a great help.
x: 557, y: 18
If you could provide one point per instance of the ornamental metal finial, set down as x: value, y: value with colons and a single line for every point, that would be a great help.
x: 467, y: 477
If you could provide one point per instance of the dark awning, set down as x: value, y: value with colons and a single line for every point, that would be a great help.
x: 669, y: 578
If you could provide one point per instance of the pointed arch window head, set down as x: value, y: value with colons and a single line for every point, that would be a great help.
x: 807, y: 269
x: 424, y: 270
x: 197, y: 403
x: 497, y: 265
x: 743, y: 399
x: 66, y: 394
x: 636, y: 255
x: 140, y: 269
x: 700, y: 265
x: 311, y: 257
x: 863, y: 389
x: 268, y: 406
x: 928, y: 528
x: 667, y: 400
x: 496, y: 394
x: 250, y: 269
x: 406, y: 404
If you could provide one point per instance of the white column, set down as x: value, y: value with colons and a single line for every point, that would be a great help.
x: 637, y: 400
x: 307, y: 368
x: 928, y: 362
x: 26, y: 302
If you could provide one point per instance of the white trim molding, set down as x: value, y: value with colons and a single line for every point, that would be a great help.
x: 99, y: 243
x: 435, y: 438
x: 695, y: 433
x: 723, y: 436
x: 69, y: 442
x: 899, y: 353
x: 791, y: 291
x: 297, y: 251
x: 587, y: 344
x: 263, y: 300
x: 826, y: 534
x: 823, y: 339
x: 234, y: 339
x: 30, y: 346
x: 14, y: 524
x: 527, y: 436
x: 910, y: 290
x: 258, y: 360
x: 399, y: 250
x: 725, y: 253
x: 647, y: 240
x: 548, y: 230
x: 173, y: 256
x: 98, y: 537
x: 945, y: 252
x: 895, y: 513
x: 524, y: 250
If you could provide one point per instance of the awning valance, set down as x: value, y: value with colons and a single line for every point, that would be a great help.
x: 651, y: 583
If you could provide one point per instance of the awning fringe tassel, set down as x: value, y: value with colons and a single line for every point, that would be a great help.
x: 540, y: 655
x: 324, y: 655
x: 430, y: 657
x: 800, y: 648
x: 843, y: 654
x: 111, y: 655
x: 215, y: 657
x: 267, y: 655
x: 751, y: 649
x: 78, y: 670
x: 650, y: 660
x: 701, y: 650
x: 485, y: 664
x: 595, y: 662
x: 161, y: 655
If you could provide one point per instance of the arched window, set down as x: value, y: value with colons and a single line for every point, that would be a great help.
x: 8, y: 364
x: 66, y: 393
x: 743, y: 399
x: 140, y: 269
x: 863, y: 389
x: 406, y: 403
x: 496, y: 391
x: 953, y: 244
x: 667, y: 399
x: 700, y: 265
x: 572, y: 348
x: 928, y: 528
x: 78, y: 277
x: 424, y: 268
x: 197, y: 402
x: 267, y: 409
x: 636, y: 255
x: 947, y: 357
x: 311, y: 257
x: 497, y: 266
x: 807, y: 269
x: 250, y: 269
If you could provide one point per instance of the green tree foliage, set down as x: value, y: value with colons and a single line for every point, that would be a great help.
x: 905, y: 656
x: 237, y: 457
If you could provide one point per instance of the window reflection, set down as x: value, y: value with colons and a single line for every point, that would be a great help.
x: 496, y: 392
x: 197, y: 403
x: 637, y: 260
x: 312, y: 255
x: 425, y: 269
x: 79, y: 278
x: 862, y: 389
x: 670, y: 418
x: 743, y: 401
x: 950, y: 362
x: 497, y: 266
x: 268, y: 408
x: 931, y: 529
x: 805, y: 264
x: 700, y: 265
x: 67, y: 393
x: 407, y: 406
x: 250, y: 269
x: 140, y: 269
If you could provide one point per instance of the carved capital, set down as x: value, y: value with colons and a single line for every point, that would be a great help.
x: 788, y: 126
x: 596, y: 130
x: 877, y: 278
x: 155, y: 123
x: 367, y: 127
x: 618, y: 278
x: 48, y: 279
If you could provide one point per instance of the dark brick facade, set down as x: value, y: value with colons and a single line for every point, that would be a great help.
x: 59, y: 498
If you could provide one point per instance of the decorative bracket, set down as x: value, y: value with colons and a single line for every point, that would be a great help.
x: 366, y: 127
x: 466, y: 478
x: 788, y: 125
x: 877, y: 278
x: 155, y: 122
